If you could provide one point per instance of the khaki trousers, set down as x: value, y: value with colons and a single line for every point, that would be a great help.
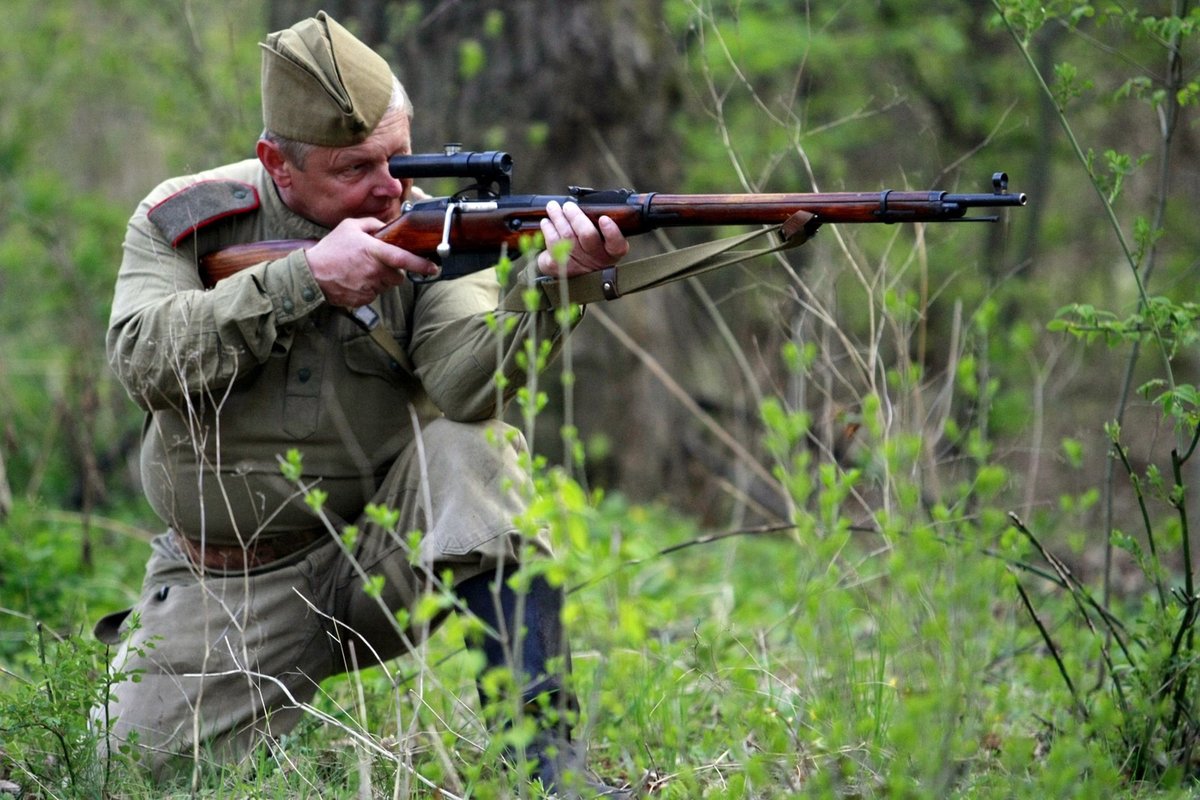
x: 226, y: 659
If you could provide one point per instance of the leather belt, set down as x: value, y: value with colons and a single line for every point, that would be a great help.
x: 239, y: 558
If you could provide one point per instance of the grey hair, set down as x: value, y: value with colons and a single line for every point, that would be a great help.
x: 298, y: 152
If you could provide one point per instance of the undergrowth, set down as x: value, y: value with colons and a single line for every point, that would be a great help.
x: 899, y: 630
x: 798, y: 661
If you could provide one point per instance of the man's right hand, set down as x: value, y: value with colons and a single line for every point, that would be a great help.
x: 352, y: 267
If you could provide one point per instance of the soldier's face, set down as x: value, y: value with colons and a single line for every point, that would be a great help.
x: 340, y: 183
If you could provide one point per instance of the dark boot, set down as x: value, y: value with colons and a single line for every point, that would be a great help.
x: 561, y: 766
x: 531, y: 636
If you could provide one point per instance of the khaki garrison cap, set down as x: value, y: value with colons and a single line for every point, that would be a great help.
x: 321, y: 85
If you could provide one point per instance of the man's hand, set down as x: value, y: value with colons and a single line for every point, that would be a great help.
x: 592, y: 247
x: 352, y: 267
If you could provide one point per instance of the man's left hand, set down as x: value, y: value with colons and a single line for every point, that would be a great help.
x: 593, y: 246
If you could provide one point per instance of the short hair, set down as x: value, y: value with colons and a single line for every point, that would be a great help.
x: 297, y: 152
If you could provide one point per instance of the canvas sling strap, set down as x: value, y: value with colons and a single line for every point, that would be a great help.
x: 657, y: 270
x: 369, y: 318
x: 634, y: 276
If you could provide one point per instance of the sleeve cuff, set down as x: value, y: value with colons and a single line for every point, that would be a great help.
x: 290, y: 285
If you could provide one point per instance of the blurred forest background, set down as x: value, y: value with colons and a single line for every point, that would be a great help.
x: 929, y: 362
x: 102, y: 100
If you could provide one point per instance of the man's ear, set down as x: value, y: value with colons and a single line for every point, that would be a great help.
x: 276, y: 165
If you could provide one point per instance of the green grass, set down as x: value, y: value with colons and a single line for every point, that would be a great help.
x: 794, y: 664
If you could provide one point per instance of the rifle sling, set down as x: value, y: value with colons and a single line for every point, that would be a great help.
x: 369, y: 318
x: 614, y: 282
x: 657, y: 270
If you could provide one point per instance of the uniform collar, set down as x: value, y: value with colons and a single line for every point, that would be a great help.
x: 292, y: 224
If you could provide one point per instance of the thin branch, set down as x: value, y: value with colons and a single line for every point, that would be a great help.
x: 1062, y: 669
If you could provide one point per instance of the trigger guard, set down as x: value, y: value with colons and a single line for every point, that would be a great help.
x: 417, y: 278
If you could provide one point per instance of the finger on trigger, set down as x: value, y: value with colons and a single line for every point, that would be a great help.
x: 400, y: 260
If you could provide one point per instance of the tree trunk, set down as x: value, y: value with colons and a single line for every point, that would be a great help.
x: 580, y: 94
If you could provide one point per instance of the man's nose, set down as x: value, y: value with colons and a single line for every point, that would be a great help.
x: 387, y: 186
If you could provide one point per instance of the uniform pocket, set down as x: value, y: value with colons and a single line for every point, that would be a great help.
x: 367, y: 357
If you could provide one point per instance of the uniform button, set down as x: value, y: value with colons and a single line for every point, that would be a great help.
x: 304, y: 374
x: 288, y: 305
x: 308, y: 294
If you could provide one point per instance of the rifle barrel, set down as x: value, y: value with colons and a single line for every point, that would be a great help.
x: 835, y: 207
x: 438, y: 227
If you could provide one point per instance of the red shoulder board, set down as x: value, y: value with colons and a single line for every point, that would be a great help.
x: 201, y: 204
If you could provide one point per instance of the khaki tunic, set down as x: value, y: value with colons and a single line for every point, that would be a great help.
x: 234, y: 377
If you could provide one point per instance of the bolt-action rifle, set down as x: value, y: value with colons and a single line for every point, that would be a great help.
x: 466, y: 232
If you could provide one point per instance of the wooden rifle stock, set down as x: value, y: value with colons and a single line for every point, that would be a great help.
x: 464, y: 235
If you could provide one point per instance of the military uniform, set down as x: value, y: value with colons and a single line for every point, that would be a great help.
x: 254, y: 596
x: 233, y: 377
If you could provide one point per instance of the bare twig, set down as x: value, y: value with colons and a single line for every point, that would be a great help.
x: 363, y: 739
x: 1062, y: 669
x: 690, y: 404
x: 6, y: 499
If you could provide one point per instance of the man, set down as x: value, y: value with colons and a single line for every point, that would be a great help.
x: 254, y: 595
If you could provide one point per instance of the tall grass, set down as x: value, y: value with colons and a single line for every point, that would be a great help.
x: 887, y: 626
